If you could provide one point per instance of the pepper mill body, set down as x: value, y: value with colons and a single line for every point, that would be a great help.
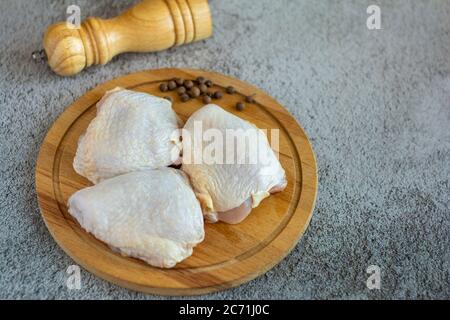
x: 151, y: 25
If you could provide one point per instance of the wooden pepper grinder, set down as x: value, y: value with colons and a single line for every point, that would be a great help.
x: 151, y: 25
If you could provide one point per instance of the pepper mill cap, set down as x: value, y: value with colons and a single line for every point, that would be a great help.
x: 64, y: 49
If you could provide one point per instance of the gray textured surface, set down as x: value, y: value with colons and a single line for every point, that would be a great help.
x: 376, y: 105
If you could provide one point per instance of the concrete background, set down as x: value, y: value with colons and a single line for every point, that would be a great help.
x: 375, y: 104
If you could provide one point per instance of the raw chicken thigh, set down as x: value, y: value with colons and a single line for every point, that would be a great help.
x: 132, y: 131
x: 228, y: 190
x: 152, y: 215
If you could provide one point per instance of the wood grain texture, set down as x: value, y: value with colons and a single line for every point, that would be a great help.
x: 230, y: 254
x: 151, y: 25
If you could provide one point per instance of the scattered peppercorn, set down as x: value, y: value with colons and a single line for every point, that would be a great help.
x: 218, y: 95
x: 184, y: 97
x: 201, y: 80
x: 194, y: 92
x: 209, y: 83
x: 179, y: 81
x: 163, y: 87
x: 230, y: 90
x: 206, y: 99
x: 188, y: 84
x: 240, y: 106
x: 203, y: 88
x: 181, y: 90
x: 250, y: 99
x: 172, y: 85
x: 168, y: 98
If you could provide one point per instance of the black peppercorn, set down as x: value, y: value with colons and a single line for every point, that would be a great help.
x: 163, y: 87
x: 184, y: 97
x: 203, y: 88
x: 179, y: 81
x: 172, y: 85
x: 188, y: 84
x: 201, y: 80
x: 181, y: 90
x: 250, y: 99
x: 218, y: 95
x: 194, y: 92
x: 240, y: 106
x: 206, y: 99
x: 230, y: 90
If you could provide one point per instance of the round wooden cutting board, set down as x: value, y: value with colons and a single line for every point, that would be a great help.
x: 230, y: 254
